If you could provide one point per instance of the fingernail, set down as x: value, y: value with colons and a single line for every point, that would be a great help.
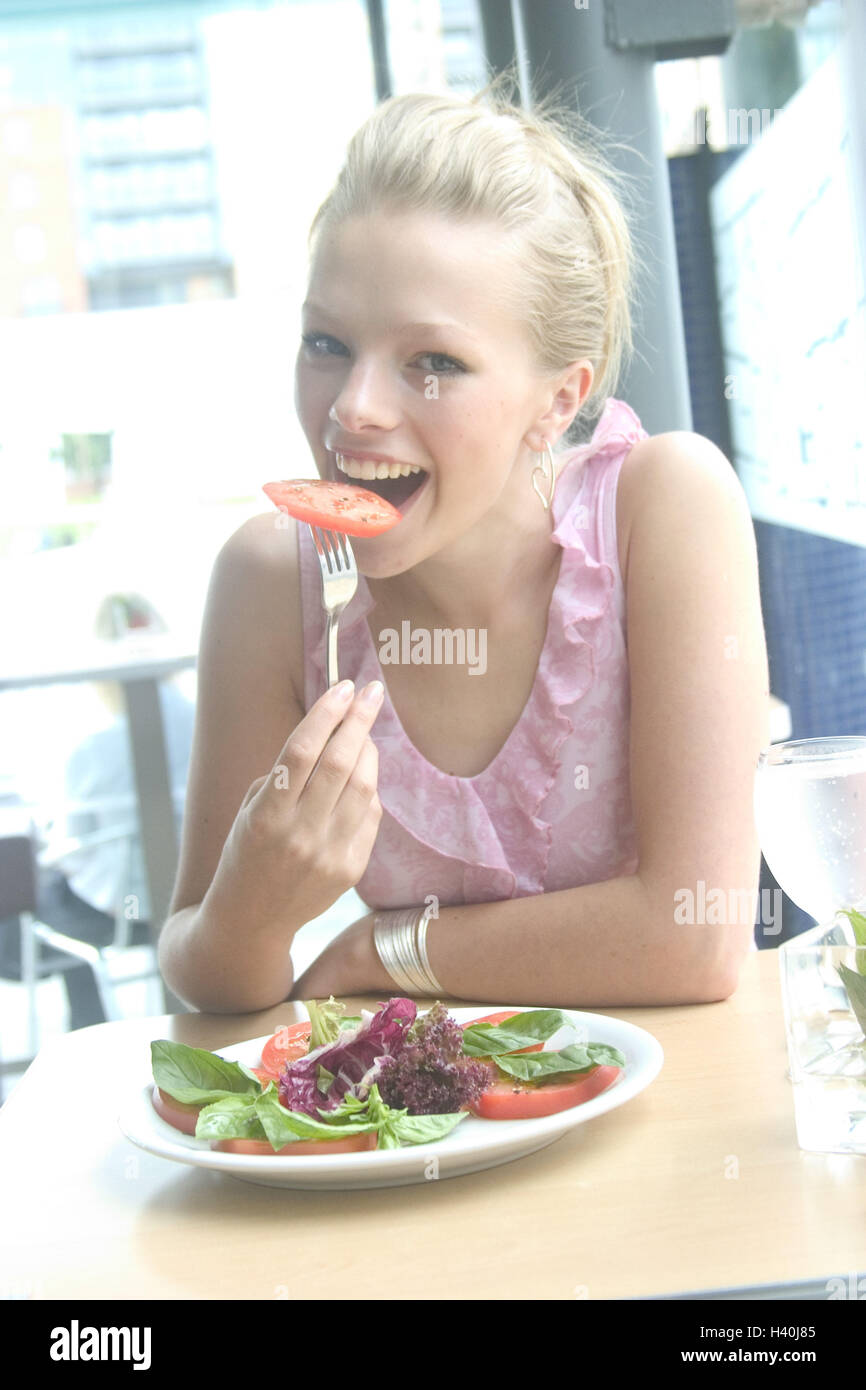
x: 343, y: 692
x: 372, y: 693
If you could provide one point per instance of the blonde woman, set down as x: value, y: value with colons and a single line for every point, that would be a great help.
x: 522, y: 832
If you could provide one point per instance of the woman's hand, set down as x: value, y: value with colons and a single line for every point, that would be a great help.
x: 304, y: 833
x: 348, y: 965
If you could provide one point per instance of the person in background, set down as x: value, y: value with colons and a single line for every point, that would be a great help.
x: 82, y: 893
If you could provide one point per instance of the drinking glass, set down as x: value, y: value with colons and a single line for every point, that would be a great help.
x: 810, y: 813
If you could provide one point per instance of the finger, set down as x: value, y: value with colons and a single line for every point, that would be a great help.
x: 256, y: 786
x: 358, y: 794
x: 298, y: 755
x: 361, y: 847
x: 339, y: 759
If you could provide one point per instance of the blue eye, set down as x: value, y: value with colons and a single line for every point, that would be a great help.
x: 323, y: 345
x: 451, y: 368
x: 311, y: 339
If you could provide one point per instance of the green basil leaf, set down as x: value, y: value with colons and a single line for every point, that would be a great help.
x: 388, y: 1138
x: 376, y: 1110
x: 234, y: 1117
x: 603, y: 1055
x: 425, y: 1129
x: 283, y: 1126
x: 372, y: 1110
x: 538, y: 1066
x: 196, y: 1077
x: 855, y: 985
x: 350, y: 1105
x: 533, y: 1026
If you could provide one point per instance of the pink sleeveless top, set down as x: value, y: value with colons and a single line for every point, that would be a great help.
x: 553, y: 808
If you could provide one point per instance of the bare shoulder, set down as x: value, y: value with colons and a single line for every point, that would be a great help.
x: 264, y: 551
x: 264, y: 539
x: 667, y: 473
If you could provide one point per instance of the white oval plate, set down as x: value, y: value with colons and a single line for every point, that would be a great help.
x: 473, y: 1145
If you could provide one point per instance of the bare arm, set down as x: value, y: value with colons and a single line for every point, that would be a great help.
x: 268, y: 844
x: 245, y: 706
x: 699, y: 718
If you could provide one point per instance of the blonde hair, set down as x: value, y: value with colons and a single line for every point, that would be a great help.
x: 541, y: 176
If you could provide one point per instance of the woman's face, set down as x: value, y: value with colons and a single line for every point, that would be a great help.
x: 409, y: 351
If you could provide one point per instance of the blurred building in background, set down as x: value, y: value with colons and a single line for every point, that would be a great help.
x: 110, y: 194
x: 111, y: 198
x: 150, y: 215
x: 41, y: 270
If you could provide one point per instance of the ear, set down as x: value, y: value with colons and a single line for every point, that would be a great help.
x: 570, y: 390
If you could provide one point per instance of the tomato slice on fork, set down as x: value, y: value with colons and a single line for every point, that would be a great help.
x: 354, y: 511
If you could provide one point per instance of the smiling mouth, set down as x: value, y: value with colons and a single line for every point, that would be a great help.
x: 397, y: 490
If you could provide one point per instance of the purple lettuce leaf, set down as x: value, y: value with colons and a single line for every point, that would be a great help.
x: 348, y: 1064
x: 430, y: 1075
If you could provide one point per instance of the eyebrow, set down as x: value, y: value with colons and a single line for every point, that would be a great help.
x: 446, y: 323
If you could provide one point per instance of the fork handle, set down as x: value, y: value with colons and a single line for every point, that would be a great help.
x: 331, y: 674
x: 331, y: 652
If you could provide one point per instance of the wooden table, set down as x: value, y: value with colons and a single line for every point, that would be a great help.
x: 695, y: 1184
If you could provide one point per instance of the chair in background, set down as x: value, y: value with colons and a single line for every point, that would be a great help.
x: 44, y: 950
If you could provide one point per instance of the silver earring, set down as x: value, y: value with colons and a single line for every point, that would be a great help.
x: 548, y: 473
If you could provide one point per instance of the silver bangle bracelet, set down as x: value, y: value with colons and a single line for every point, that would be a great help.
x: 421, y: 943
x: 403, y: 941
x: 400, y: 938
x: 387, y: 936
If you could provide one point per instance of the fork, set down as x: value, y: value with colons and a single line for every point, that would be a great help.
x: 339, y: 583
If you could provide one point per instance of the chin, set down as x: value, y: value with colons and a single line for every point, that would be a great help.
x: 375, y: 565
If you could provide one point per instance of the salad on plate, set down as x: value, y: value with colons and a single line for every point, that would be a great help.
x: 384, y: 1079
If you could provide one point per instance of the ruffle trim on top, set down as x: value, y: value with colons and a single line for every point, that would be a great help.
x: 467, y: 818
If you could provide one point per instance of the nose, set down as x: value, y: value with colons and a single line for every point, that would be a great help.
x: 365, y: 402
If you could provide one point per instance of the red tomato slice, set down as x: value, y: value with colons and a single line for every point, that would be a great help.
x: 356, y: 1143
x: 183, y: 1115
x: 266, y: 1077
x: 355, y: 511
x: 510, y: 1099
x: 500, y: 1018
x: 175, y: 1112
x: 287, y: 1045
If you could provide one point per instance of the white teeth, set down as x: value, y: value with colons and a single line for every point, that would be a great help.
x: 367, y: 469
